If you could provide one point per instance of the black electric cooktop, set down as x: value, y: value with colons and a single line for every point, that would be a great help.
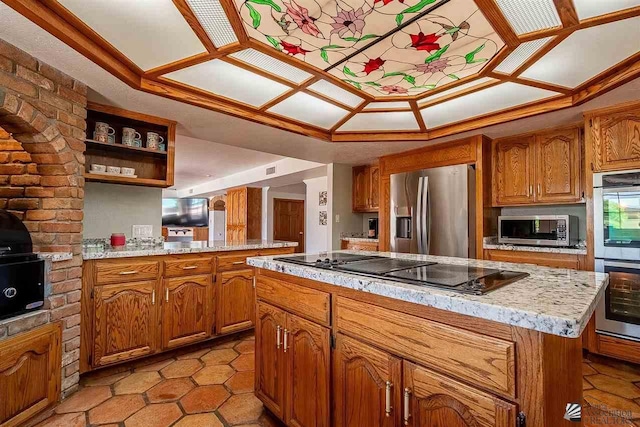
x: 459, y: 278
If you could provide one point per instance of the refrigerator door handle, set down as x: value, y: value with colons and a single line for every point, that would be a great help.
x: 419, y: 213
x: 426, y: 216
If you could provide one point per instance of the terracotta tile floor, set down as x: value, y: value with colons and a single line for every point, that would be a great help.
x: 211, y: 385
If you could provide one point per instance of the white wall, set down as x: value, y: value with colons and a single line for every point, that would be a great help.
x: 341, y: 216
x: 113, y: 208
x: 317, y: 236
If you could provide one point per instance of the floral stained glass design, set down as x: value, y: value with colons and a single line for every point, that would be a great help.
x: 449, y: 41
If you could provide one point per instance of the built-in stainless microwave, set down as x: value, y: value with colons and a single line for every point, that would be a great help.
x: 538, y: 230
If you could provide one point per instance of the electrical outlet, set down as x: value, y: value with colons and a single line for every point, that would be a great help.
x: 142, y: 231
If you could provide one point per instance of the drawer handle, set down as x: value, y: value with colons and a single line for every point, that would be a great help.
x: 189, y: 267
x: 407, y: 415
x: 387, y: 406
x: 286, y: 338
x: 237, y: 262
x: 153, y: 297
x: 166, y: 294
x: 128, y: 273
x: 278, y: 329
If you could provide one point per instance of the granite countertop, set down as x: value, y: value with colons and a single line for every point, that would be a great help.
x: 55, y: 256
x: 360, y: 239
x: 174, y: 248
x: 550, y: 300
x: 492, y: 243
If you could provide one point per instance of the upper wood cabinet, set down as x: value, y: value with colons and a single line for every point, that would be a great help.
x: 244, y: 214
x: 235, y: 301
x: 542, y: 168
x: 434, y: 400
x: 366, y: 188
x: 187, y: 310
x: 367, y: 385
x: 125, y: 321
x: 29, y: 374
x: 615, y: 138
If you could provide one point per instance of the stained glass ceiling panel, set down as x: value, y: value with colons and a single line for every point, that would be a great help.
x: 454, y: 42
x: 325, y: 32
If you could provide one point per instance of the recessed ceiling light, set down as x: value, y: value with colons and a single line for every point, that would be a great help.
x: 211, y: 16
x: 526, y: 16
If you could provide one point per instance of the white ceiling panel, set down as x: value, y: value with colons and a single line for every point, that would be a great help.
x: 521, y: 54
x: 385, y: 105
x: 227, y: 80
x: 271, y: 65
x: 587, y: 53
x: 309, y: 109
x: 456, y: 89
x: 397, y: 120
x: 211, y: 16
x: 485, y: 101
x: 590, y: 8
x: 148, y: 32
x: 526, y: 16
x: 332, y: 91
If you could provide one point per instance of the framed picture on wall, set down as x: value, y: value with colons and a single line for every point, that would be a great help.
x: 323, y: 217
x: 323, y: 198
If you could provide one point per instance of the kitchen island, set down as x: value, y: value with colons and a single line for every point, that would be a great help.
x: 334, y: 348
x: 142, y: 299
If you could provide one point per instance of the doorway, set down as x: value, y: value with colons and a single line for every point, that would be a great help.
x: 288, y: 221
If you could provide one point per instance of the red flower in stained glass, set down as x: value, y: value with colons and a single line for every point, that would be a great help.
x: 386, y: 2
x: 373, y: 65
x: 292, y: 49
x: 425, y: 42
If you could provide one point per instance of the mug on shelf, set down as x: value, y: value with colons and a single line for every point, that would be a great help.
x: 98, y: 168
x: 113, y: 169
x: 154, y: 140
x: 104, y: 132
x: 127, y: 171
x: 129, y: 135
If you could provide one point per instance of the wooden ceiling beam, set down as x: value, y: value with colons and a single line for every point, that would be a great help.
x: 540, y: 53
x: 348, y: 117
x: 532, y: 83
x: 258, y: 71
x: 416, y: 113
x: 610, y: 17
x: 234, y: 19
x: 278, y: 99
x: 615, y: 76
x: 459, y: 93
x: 179, y: 64
x: 567, y: 13
x: 494, y: 15
x: 193, y: 22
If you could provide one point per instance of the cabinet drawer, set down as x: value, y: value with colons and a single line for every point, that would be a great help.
x: 486, y: 361
x: 552, y: 260
x: 125, y: 272
x: 235, y: 261
x: 187, y: 267
x: 305, y: 302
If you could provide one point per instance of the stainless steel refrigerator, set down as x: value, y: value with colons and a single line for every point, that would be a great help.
x: 433, y: 211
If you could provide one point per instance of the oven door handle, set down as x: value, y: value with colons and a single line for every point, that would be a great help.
x: 633, y: 266
x: 615, y: 190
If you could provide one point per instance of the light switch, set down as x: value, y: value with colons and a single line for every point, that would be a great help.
x: 142, y: 231
x: 337, y: 217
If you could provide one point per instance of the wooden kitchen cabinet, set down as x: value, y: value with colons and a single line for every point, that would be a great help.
x: 244, y: 214
x: 187, y: 310
x: 545, y: 259
x: 434, y: 400
x: 307, y: 348
x: 615, y: 138
x: 29, y: 374
x: 366, y: 188
x: 125, y: 321
x: 542, y: 168
x: 235, y: 301
x: 270, y: 367
x: 363, y: 377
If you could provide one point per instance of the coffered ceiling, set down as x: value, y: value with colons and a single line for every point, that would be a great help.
x: 358, y: 70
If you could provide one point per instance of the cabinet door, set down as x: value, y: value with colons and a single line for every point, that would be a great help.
x: 235, y: 309
x: 307, y: 384
x: 360, y: 188
x: 363, y: 378
x: 616, y: 139
x: 270, y: 368
x: 125, y: 321
x: 513, y: 174
x: 187, y: 310
x: 558, y: 166
x: 434, y: 400
x: 374, y: 188
x: 29, y: 374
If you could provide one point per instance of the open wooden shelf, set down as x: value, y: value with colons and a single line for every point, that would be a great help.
x: 153, y: 168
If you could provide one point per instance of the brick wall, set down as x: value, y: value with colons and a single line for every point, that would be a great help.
x: 42, y: 129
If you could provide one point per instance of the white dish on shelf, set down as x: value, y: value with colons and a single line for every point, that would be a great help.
x: 113, y: 174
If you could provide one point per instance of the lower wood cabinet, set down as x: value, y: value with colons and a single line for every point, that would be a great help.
x: 235, y: 303
x: 367, y: 385
x: 30, y: 369
x: 187, y: 310
x: 292, y: 367
x: 545, y: 259
x: 125, y: 321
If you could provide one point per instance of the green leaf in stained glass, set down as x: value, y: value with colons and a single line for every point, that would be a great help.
x: 436, y: 55
x: 356, y: 39
x: 452, y: 30
x: 410, y: 79
x: 425, y: 87
x: 255, y: 16
x: 333, y: 46
x: 395, y: 73
x: 274, y: 42
x: 348, y: 72
x: 418, y: 6
x: 470, y: 57
x: 356, y: 84
x: 453, y: 76
x: 399, y: 18
x: 373, y: 84
x: 268, y: 3
x: 324, y: 56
